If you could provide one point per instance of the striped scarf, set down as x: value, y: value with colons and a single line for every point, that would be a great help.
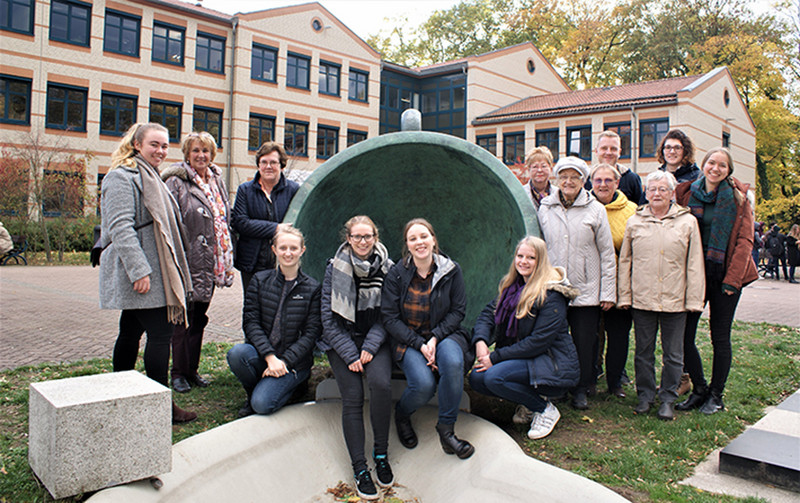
x: 345, y: 297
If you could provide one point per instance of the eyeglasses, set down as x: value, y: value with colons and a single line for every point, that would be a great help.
x: 673, y: 148
x: 272, y: 164
x: 365, y: 237
x: 603, y: 181
x: 571, y: 178
x: 660, y: 190
x: 539, y: 167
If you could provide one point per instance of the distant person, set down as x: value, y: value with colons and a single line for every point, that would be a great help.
x: 357, y: 346
x: 143, y: 268
x: 259, y: 207
x: 575, y: 227
x: 423, y: 304
x: 540, y: 168
x: 792, y: 251
x: 718, y: 202
x: 676, y: 155
x: 776, y: 246
x: 198, y: 187
x: 281, y: 322
x: 608, y: 150
x: 534, y: 358
x: 661, y: 277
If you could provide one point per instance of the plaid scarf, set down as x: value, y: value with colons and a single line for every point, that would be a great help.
x: 345, y: 297
x: 724, y: 216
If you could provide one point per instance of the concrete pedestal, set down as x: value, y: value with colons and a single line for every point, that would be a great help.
x: 91, y: 432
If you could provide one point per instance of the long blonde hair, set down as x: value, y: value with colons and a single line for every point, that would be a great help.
x: 535, y: 290
x: 123, y: 155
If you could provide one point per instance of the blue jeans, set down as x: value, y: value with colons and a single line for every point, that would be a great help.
x: 422, y: 381
x: 266, y: 394
x: 510, y: 381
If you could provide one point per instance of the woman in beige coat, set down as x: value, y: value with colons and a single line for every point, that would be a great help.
x: 661, y: 277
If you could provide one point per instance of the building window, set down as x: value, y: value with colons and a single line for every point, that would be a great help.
x: 168, y: 114
x: 262, y: 65
x: 354, y: 137
x: 444, y: 104
x: 650, y: 135
x: 295, y: 138
x: 488, y: 142
x: 579, y: 142
x: 17, y: 15
x: 329, y: 78
x: 168, y: 44
x: 117, y: 113
x: 327, y: 142
x: 208, y: 120
x: 398, y: 93
x: 726, y: 140
x: 70, y: 22
x: 514, y: 148
x: 358, y: 86
x: 66, y: 107
x: 623, y: 129
x: 210, y: 53
x: 262, y: 129
x: 15, y: 102
x: 548, y: 138
x: 122, y: 33
x: 297, y: 70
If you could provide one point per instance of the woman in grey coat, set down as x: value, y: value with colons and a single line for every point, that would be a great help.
x: 143, y: 268
x: 197, y: 185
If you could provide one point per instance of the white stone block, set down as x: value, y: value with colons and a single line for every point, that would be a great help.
x: 96, y: 431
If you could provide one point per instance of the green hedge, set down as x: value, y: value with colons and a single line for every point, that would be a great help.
x: 78, y: 232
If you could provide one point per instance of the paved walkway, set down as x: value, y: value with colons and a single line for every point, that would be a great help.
x: 51, y: 314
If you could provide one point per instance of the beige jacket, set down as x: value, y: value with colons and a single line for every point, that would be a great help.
x: 661, y: 262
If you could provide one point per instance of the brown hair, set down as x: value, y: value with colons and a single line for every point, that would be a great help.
x: 427, y: 225
x: 267, y: 148
x: 358, y: 219
x: 203, y: 138
x: 724, y: 151
x: 688, y: 146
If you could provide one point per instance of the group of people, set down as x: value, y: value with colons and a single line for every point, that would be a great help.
x: 774, y: 250
x: 605, y: 263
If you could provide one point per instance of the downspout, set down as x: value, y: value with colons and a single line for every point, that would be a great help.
x: 229, y: 174
x: 634, y: 143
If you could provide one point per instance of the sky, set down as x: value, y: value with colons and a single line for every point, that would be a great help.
x: 364, y: 17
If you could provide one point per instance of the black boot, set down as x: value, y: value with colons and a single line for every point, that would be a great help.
x: 713, y: 403
x: 405, y: 432
x: 451, y: 444
x: 695, y: 400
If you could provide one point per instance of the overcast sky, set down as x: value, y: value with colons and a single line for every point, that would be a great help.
x: 364, y: 17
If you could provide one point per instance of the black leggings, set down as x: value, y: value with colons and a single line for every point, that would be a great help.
x: 583, y: 324
x: 132, y: 324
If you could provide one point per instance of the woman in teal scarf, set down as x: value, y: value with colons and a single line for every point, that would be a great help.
x: 725, y: 217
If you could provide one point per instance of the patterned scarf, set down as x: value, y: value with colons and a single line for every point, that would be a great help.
x: 724, y: 216
x: 506, y: 311
x: 370, y: 272
x: 223, y: 251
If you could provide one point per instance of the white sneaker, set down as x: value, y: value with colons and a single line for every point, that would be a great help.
x: 522, y: 415
x: 543, y: 423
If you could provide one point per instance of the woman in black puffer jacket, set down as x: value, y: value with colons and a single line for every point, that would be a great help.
x: 281, y: 323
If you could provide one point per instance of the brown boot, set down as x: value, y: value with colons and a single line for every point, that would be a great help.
x: 685, y: 386
x: 181, y: 416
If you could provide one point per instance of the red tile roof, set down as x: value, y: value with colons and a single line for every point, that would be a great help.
x: 591, y: 100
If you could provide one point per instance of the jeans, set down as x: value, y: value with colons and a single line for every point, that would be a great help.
x: 378, y: 373
x: 510, y: 381
x: 422, y: 381
x: 583, y: 322
x: 646, y: 329
x: 722, y: 307
x: 132, y: 324
x: 188, y: 341
x: 617, y: 324
x: 266, y: 394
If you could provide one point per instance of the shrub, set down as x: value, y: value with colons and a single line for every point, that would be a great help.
x: 784, y: 211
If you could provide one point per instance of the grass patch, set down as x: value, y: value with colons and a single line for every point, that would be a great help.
x: 641, y: 458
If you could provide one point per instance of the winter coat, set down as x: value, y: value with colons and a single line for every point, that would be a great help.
x: 339, y: 334
x: 300, y: 321
x: 686, y: 173
x: 792, y: 253
x: 776, y: 243
x: 543, y: 338
x: 448, y: 306
x: 740, y: 270
x: 255, y: 218
x: 131, y: 255
x: 198, y: 221
x: 618, y: 212
x: 579, y: 240
x: 661, y: 264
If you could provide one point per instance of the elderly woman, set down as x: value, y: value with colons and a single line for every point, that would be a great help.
x: 143, y: 269
x: 540, y: 167
x: 197, y: 185
x: 661, y: 277
x: 575, y: 227
x: 260, y: 206
x: 719, y: 203
x: 616, y: 323
x: 676, y: 155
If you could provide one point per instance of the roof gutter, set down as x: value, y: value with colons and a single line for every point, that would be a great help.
x: 190, y: 10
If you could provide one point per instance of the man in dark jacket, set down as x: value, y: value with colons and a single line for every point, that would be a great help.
x: 776, y: 246
x: 608, y: 150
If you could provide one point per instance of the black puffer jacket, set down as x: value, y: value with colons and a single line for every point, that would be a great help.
x: 300, y: 321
